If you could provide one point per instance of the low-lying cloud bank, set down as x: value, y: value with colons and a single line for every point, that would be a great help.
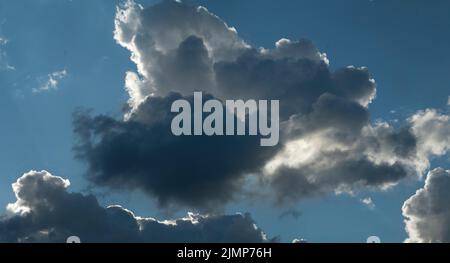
x: 46, y: 212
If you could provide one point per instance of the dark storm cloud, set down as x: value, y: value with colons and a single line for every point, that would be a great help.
x: 198, y: 171
x: 46, y: 212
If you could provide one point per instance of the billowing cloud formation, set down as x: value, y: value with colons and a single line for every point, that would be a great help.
x: 46, y: 212
x: 427, y: 212
x: 327, y: 143
x: 181, y: 48
x: 173, y: 56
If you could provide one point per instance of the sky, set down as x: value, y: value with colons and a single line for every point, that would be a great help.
x: 60, y: 58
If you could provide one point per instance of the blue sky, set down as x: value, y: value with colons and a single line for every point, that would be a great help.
x: 403, y: 43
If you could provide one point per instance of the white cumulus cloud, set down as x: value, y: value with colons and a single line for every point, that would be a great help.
x: 427, y: 212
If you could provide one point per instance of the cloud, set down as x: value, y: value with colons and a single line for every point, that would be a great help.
x: 319, y: 162
x: 378, y: 157
x: 427, y: 213
x: 367, y: 201
x: 4, y: 65
x: 186, y: 47
x: 432, y: 130
x: 195, y: 171
x: 45, y: 211
x: 199, y: 51
x: 291, y: 212
x: 52, y: 81
x: 327, y: 143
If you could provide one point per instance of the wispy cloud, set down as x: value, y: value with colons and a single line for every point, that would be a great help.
x: 368, y: 202
x: 52, y: 81
x: 4, y: 65
x: 292, y: 212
